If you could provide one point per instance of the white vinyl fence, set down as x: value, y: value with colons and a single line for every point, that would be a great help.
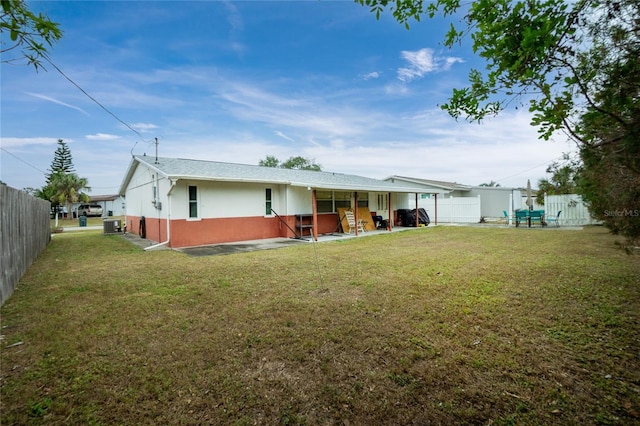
x: 574, y: 210
x: 452, y: 209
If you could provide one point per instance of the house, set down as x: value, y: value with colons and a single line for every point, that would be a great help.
x: 112, y: 205
x: 183, y: 202
x: 463, y: 203
x: 429, y: 186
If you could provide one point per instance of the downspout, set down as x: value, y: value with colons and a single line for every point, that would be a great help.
x: 173, y: 184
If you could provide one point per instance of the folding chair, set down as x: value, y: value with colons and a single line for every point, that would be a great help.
x: 351, y: 221
x: 555, y: 219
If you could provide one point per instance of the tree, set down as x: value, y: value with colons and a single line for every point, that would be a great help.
x: 62, y: 163
x: 67, y: 189
x: 62, y: 160
x: 63, y: 185
x: 300, y: 163
x: 574, y: 63
x: 30, y: 34
x: 491, y: 184
x: 269, y: 161
x: 297, y: 163
x: 562, y: 181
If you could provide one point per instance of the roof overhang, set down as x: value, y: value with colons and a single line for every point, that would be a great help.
x: 377, y: 186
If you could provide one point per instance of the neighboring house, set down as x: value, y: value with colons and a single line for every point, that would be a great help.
x: 463, y: 203
x: 112, y: 205
x: 429, y: 186
x: 183, y: 203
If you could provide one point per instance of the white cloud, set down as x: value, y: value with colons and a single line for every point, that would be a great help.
x: 396, y: 89
x: 285, y: 137
x: 143, y: 127
x: 307, y: 115
x: 371, y: 75
x: 102, y: 137
x: 58, y: 102
x: 19, y: 142
x: 450, y: 60
x: 422, y: 62
x: 234, y: 18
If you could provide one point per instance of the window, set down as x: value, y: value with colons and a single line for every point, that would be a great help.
x: 382, y: 202
x: 331, y: 201
x: 324, y: 200
x: 193, y: 201
x: 267, y: 197
x: 342, y: 199
x: 363, y: 199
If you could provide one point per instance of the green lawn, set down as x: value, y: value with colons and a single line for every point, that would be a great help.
x: 74, y: 223
x: 445, y: 325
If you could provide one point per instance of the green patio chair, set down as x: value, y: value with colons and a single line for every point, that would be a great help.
x: 506, y: 217
x: 555, y: 219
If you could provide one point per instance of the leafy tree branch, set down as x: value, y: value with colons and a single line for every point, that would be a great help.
x: 30, y: 34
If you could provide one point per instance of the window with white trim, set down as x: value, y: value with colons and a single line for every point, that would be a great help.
x: 382, y: 202
x: 193, y: 201
x: 268, y: 201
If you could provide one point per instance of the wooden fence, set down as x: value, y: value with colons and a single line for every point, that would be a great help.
x: 24, y: 234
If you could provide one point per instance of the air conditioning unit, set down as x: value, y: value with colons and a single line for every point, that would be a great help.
x: 110, y: 226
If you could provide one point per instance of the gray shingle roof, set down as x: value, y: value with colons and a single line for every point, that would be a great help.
x: 449, y: 186
x: 178, y: 168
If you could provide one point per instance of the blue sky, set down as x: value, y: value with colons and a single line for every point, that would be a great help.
x: 237, y: 81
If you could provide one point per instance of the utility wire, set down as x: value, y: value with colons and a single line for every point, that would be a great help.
x: 25, y: 162
x: 534, y: 167
x: 93, y: 99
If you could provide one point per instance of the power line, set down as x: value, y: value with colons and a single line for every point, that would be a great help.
x: 93, y: 99
x: 534, y: 167
x: 25, y: 162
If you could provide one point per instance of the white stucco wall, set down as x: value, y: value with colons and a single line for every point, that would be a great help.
x: 299, y: 201
x: 215, y: 199
x: 139, y: 193
x: 225, y: 199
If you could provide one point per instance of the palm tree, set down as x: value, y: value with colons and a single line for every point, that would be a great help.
x: 68, y: 189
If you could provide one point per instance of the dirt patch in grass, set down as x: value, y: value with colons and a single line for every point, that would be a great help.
x: 434, y: 326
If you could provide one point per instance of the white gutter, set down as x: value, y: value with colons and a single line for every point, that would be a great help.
x: 317, y: 185
x: 164, y: 243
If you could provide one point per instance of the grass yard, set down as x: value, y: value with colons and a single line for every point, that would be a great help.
x: 445, y: 325
x: 75, y: 222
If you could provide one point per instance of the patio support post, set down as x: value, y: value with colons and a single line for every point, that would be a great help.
x: 355, y: 210
x: 389, y: 211
x: 314, y: 201
x: 417, y: 215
